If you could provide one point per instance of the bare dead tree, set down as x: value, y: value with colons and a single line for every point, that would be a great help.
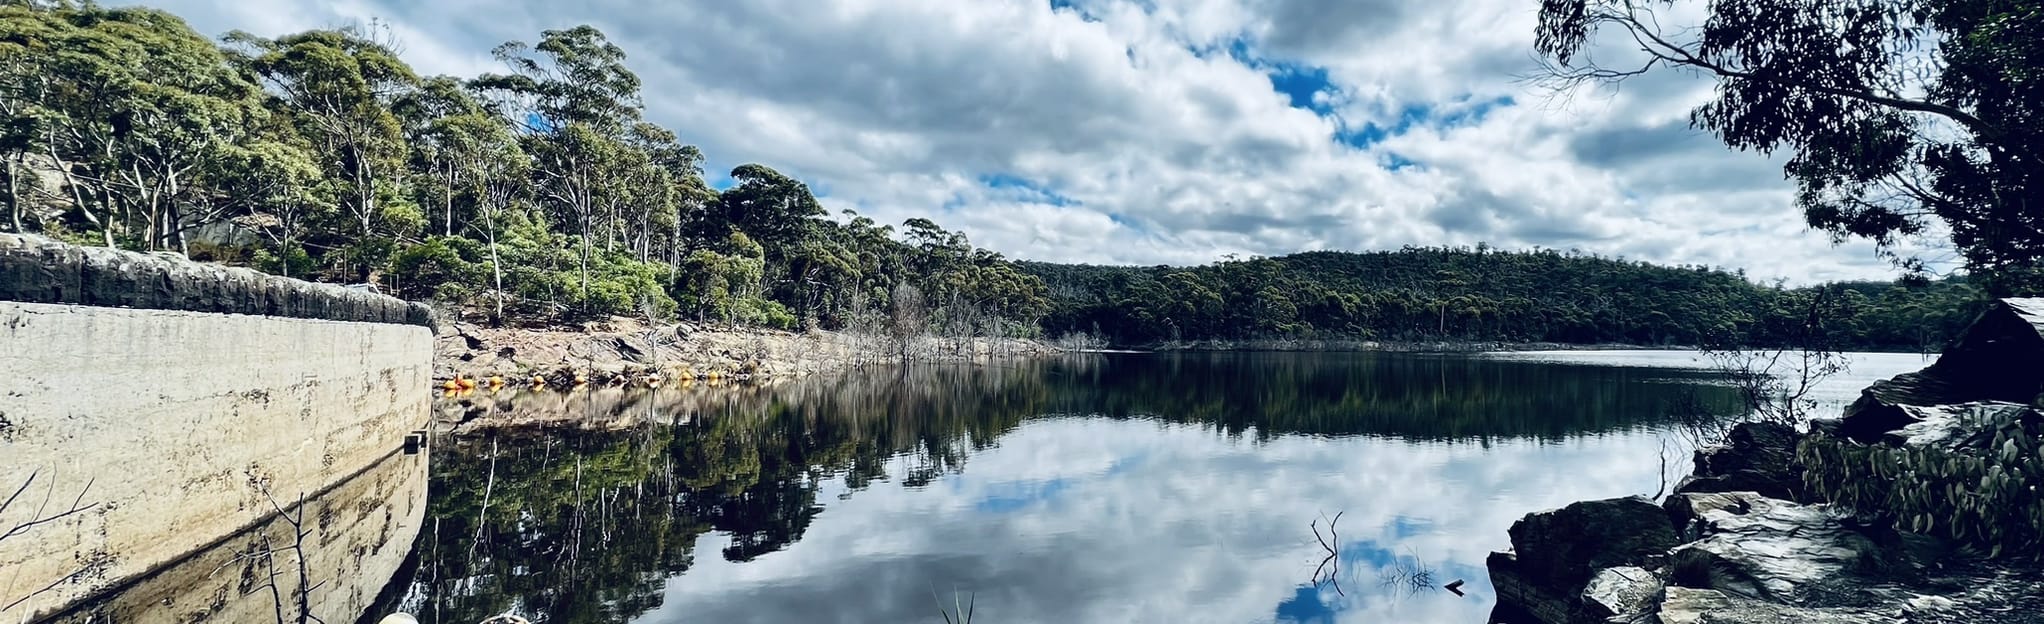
x: 910, y: 320
x: 265, y: 557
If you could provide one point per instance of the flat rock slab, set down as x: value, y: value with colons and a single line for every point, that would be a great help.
x: 1683, y: 605
x: 1770, y: 549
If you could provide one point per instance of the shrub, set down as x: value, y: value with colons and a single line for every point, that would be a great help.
x: 1966, y: 474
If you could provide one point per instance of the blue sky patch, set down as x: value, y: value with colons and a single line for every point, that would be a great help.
x: 1025, y: 190
x: 1300, y: 83
x: 1464, y: 111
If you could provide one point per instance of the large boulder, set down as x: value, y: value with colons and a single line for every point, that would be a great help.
x: 1999, y: 358
x: 1556, y: 554
x: 1756, y: 457
x: 1564, y: 546
x: 1686, y: 510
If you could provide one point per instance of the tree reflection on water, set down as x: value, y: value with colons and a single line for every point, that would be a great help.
x: 568, y: 524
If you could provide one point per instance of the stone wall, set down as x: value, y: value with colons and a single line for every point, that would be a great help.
x: 174, y: 422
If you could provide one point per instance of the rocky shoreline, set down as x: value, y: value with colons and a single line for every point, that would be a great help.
x: 1918, y: 504
x: 620, y: 351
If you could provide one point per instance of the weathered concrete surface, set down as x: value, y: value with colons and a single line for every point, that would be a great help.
x: 171, y: 423
x: 356, y: 537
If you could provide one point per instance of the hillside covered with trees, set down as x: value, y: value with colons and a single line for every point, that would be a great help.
x: 1478, y: 294
x: 543, y: 195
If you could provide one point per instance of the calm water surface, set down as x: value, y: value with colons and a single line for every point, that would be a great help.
x: 1118, y: 488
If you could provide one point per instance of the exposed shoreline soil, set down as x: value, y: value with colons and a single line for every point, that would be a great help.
x: 623, y: 350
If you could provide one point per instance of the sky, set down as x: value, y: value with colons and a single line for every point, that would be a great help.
x: 1164, y: 131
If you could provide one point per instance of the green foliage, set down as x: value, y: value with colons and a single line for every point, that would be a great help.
x: 421, y: 269
x: 537, y: 194
x: 1907, y: 119
x: 1461, y: 294
x: 1976, y: 485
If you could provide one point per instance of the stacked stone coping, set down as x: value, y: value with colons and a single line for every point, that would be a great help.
x: 36, y: 269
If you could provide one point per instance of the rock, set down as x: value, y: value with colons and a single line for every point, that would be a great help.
x: 1770, y: 549
x: 1965, y: 427
x: 1999, y: 358
x: 1684, y: 510
x: 1563, y: 547
x: 1757, y: 457
x: 1557, y: 553
x: 1683, y: 605
x: 1522, y: 598
x: 1621, y: 593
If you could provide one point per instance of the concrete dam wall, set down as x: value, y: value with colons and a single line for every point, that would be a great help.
x: 152, y: 406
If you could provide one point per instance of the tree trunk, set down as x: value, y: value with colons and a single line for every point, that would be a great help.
x: 497, y: 272
x: 585, y: 258
x: 13, y: 198
x: 449, y: 192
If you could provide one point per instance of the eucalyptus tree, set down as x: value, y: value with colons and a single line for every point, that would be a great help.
x: 1907, y: 118
x: 575, y: 99
x: 450, y: 133
x: 777, y: 211
x: 339, y: 87
x: 468, y: 160
x: 130, y: 106
x: 277, y: 189
x: 671, y: 182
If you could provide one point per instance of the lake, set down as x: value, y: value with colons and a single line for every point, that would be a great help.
x: 1107, y: 488
x: 1201, y: 487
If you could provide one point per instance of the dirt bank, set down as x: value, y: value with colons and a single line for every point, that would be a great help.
x: 602, y: 351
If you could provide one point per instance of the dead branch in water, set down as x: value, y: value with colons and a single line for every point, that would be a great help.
x: 1409, y: 574
x: 1331, y: 564
x: 266, y: 556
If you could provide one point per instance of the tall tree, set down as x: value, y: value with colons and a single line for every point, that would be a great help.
x: 340, y: 86
x: 1908, y: 118
x: 575, y: 98
x: 772, y: 208
x: 131, y: 106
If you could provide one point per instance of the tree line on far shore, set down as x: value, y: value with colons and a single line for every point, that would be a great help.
x: 1483, y: 295
x: 542, y: 194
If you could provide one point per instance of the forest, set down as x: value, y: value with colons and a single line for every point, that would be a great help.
x: 1482, y: 295
x: 543, y: 195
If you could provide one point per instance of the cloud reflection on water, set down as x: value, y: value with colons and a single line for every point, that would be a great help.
x: 1172, y: 489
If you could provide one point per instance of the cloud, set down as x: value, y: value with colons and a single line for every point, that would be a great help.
x: 1157, y: 131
